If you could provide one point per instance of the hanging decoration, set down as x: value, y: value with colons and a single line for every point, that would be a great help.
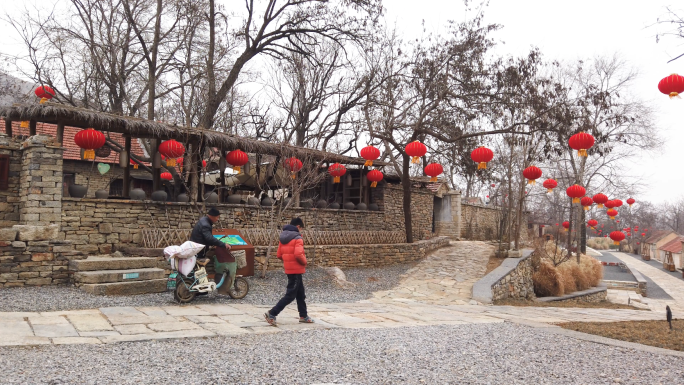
x: 374, y: 176
x: 370, y: 153
x: 433, y: 170
x: 576, y: 192
x: 103, y: 168
x: 610, y: 204
x: 24, y: 124
x: 124, y: 159
x: 237, y: 159
x: 600, y: 199
x: 643, y: 234
x: 612, y: 213
x: 617, y: 203
x: 566, y: 225
x: 550, y: 184
x: 630, y: 201
x: 672, y: 85
x: 293, y: 165
x: 134, y: 163
x: 171, y: 149
x: 617, y: 237
x: 415, y: 150
x: 581, y: 142
x: 586, y: 202
x: 166, y: 176
x: 337, y: 170
x: 45, y: 93
x: 592, y: 223
x: 532, y: 173
x: 89, y: 140
x: 481, y: 156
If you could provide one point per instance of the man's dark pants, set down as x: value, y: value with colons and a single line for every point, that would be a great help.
x: 295, y: 290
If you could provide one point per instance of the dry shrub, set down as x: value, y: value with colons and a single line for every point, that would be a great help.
x: 566, y: 273
x: 599, y: 243
x: 547, y: 281
x: 592, y: 268
x: 576, y: 277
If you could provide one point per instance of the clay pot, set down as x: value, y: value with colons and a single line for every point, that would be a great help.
x: 373, y: 207
x: 267, y: 201
x: 211, y: 197
x: 159, y: 196
x: 349, y: 206
x: 252, y: 201
x: 101, y: 194
x: 77, y: 191
x: 306, y: 204
x: 362, y: 206
x: 183, y: 198
x: 334, y: 206
x: 286, y: 201
x: 137, y: 194
x: 321, y: 204
x: 235, y: 199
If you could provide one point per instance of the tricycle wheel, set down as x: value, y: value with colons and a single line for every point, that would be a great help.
x: 239, y: 289
x: 182, y: 294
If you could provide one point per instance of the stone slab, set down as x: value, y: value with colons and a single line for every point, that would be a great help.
x: 173, y: 326
x: 225, y: 329
x: 126, y: 288
x: 108, y: 276
x: 23, y: 341
x: 133, y: 329
x: 76, y: 340
x: 15, y: 328
x: 90, y: 322
x: 158, y: 336
x: 184, y: 310
x: 55, y: 330
x: 143, y: 319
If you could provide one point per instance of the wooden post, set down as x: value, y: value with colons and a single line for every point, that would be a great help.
x: 8, y: 127
x: 222, y: 176
x: 156, y: 181
x: 32, y: 128
x: 60, y: 133
x: 127, y: 170
x: 194, y: 180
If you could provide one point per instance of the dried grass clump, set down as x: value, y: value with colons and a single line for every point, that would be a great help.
x: 566, y: 273
x: 599, y: 243
x: 547, y: 281
x: 592, y: 269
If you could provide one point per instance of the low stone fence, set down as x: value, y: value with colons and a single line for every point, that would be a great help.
x: 513, y: 279
x: 32, y: 256
x: 346, y: 256
x: 593, y: 294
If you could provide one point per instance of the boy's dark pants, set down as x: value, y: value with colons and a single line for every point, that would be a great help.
x: 295, y: 290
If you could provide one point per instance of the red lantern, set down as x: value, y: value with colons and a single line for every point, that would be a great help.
x: 293, y: 165
x: 576, y: 192
x: 493, y: 185
x: 89, y: 140
x: 481, y: 156
x: 586, y: 202
x: 600, y: 199
x: 134, y: 163
x: 617, y: 203
x: 45, y: 93
x: 166, y: 176
x: 672, y: 85
x: 370, y: 153
x: 532, y: 173
x: 374, y: 176
x: 566, y: 225
x: 643, y: 234
x: 171, y: 149
x: 592, y: 223
x: 612, y: 213
x: 433, y: 170
x: 630, y: 201
x: 610, y: 204
x: 415, y: 150
x: 617, y: 236
x: 337, y: 170
x: 550, y: 184
x: 581, y: 142
x: 237, y: 159
x: 556, y: 224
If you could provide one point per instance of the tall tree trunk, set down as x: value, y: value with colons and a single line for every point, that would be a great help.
x: 406, y: 187
x: 583, y: 231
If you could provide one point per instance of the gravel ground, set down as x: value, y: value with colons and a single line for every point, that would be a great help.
x: 464, y: 354
x: 319, y: 289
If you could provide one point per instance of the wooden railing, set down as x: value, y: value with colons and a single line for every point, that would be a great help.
x: 159, y: 238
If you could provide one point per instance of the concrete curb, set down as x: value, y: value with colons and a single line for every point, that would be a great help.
x: 482, y: 290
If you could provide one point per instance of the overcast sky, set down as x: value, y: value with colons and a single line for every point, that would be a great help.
x: 566, y: 31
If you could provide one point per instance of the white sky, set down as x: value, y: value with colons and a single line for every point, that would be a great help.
x: 564, y: 31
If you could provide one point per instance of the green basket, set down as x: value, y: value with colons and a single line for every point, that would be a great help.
x: 171, y: 283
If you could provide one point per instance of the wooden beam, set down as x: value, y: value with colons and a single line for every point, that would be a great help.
x: 32, y: 127
x: 8, y: 127
x: 127, y: 169
x: 156, y: 180
x: 60, y: 133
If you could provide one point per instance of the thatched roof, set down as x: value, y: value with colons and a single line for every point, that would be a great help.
x: 143, y: 128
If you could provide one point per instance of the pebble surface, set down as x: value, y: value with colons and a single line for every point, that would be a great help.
x: 319, y: 289
x: 502, y: 353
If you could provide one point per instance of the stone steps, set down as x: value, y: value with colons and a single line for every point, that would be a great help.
x: 108, y: 276
x: 93, y: 263
x: 126, y: 288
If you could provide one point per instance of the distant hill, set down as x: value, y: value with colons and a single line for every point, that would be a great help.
x: 15, y: 90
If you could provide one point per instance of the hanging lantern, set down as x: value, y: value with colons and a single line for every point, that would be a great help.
x: 370, y: 153
x: 600, y: 200
x: 556, y: 224
x: 617, y: 236
x: 374, y: 176
x: 576, y: 192
x: 433, y: 170
x: 89, y: 140
x: 581, y: 142
x: 612, y: 213
x: 617, y: 203
x: 293, y: 165
x: 592, y: 223
x: 45, y: 93
x: 550, y: 184
x: 532, y: 173
x: 643, y: 234
x: 566, y: 225
x: 630, y: 201
x: 586, y: 202
x: 610, y: 204
x: 204, y: 163
x: 493, y: 185
x: 171, y: 149
x: 166, y: 176
x: 134, y: 163
x: 481, y: 156
x: 337, y: 170
x: 237, y: 159
x: 672, y: 85
x: 415, y: 150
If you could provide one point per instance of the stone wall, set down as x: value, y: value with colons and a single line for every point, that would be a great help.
x: 82, y: 170
x: 512, y: 279
x: 9, y: 199
x: 421, y: 210
x: 481, y: 223
x: 41, y: 182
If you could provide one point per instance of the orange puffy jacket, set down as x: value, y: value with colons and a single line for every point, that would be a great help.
x: 291, y: 250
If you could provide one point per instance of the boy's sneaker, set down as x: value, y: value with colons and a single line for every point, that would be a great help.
x: 270, y: 319
x: 306, y: 320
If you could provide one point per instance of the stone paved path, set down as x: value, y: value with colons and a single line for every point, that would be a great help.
x: 446, y: 276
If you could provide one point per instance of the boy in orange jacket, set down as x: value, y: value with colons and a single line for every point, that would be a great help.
x: 291, y: 251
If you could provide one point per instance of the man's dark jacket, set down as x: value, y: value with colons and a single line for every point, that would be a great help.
x: 202, y: 234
